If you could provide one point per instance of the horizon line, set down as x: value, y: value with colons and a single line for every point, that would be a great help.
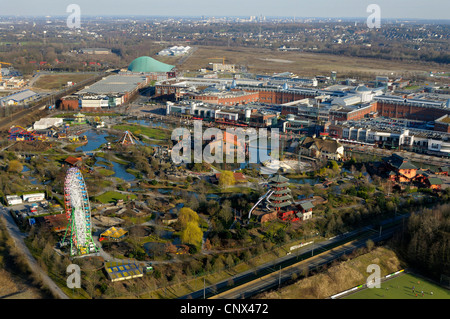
x: 213, y: 16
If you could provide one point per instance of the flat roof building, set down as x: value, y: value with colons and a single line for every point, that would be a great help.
x: 13, y: 200
x: 115, y: 84
x: 118, y: 271
x: 33, y: 197
x: 19, y: 98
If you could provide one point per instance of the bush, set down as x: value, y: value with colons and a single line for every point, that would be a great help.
x: 362, y: 194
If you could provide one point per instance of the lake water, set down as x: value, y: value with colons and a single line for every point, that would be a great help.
x: 95, y: 140
x: 310, y: 181
x: 176, y: 208
x: 119, y: 169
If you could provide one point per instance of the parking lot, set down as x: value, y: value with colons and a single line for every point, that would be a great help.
x: 34, y: 209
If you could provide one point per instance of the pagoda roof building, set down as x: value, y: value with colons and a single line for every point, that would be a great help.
x: 281, y: 196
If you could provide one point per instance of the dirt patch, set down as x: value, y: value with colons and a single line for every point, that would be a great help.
x: 118, y: 248
x: 30, y: 146
x: 140, y: 231
x: 59, y: 81
x: 261, y: 60
x: 12, y: 287
x: 104, y: 221
x: 7, y: 284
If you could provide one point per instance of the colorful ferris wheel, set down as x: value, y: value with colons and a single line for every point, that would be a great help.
x: 78, y: 211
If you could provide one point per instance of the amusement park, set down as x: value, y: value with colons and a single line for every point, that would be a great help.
x: 102, y: 192
x: 97, y: 186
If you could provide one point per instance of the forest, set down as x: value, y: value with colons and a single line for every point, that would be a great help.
x: 425, y: 241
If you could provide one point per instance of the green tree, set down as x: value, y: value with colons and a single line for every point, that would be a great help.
x: 226, y: 212
x: 226, y: 179
x: 15, y: 166
x: 191, y: 234
x: 333, y: 165
x: 187, y: 215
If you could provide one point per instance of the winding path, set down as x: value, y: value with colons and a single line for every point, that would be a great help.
x: 19, y: 242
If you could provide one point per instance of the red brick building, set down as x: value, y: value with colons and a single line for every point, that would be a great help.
x: 411, y: 109
x: 69, y: 103
x: 276, y: 96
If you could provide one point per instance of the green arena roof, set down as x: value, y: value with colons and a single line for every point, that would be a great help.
x: 145, y: 64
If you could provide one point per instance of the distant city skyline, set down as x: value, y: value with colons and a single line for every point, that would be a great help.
x: 394, y: 9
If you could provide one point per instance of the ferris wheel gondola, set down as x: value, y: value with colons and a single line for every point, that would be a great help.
x: 78, y: 211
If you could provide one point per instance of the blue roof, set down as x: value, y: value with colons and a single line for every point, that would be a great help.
x: 20, y: 96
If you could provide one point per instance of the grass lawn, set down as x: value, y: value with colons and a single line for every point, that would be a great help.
x: 400, y: 287
x: 132, y: 171
x: 105, y: 163
x: 111, y: 196
x: 412, y: 87
x: 105, y: 172
x: 58, y: 81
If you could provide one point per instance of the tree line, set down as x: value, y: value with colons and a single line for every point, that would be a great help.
x: 425, y: 241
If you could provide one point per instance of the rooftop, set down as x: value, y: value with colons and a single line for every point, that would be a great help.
x: 122, y: 271
x: 145, y: 64
x: 114, y: 84
x: 444, y: 119
x: 278, y: 179
x: 20, y: 96
x: 434, y: 181
x: 114, y: 232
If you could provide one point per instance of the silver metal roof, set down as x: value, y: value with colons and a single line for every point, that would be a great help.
x: 119, y: 84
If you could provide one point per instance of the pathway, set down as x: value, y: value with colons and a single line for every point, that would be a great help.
x: 19, y: 242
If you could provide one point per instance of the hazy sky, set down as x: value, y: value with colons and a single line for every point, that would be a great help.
x: 406, y: 9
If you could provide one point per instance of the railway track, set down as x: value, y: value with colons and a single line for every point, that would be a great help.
x: 40, y: 106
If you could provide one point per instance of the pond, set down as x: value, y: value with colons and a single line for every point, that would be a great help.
x: 119, y: 169
x: 305, y: 180
x: 301, y: 197
x: 176, y: 208
x: 34, y: 181
x: 253, y: 161
x: 154, y: 248
x: 95, y: 140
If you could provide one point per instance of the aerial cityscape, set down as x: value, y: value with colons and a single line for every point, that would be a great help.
x: 222, y: 153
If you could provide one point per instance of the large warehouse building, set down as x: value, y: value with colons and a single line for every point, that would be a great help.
x: 116, y: 90
x: 109, y: 92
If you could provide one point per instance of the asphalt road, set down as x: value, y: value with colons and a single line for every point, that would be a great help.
x: 18, y: 238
